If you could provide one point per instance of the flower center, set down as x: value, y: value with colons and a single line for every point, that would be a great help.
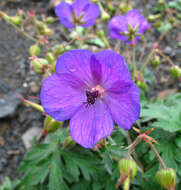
x: 93, y: 94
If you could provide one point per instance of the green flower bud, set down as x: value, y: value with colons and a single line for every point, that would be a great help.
x: 156, y: 61
x: 125, y: 7
x: 141, y: 84
x: 105, y: 16
x: 47, y: 31
x: 157, y: 24
x: 49, y: 20
x: 34, y: 50
x: 175, y: 71
x: 166, y: 178
x: 128, y: 167
x: 152, y: 18
x: 172, y: 20
x: 101, y: 34
x: 50, y: 57
x: 51, y: 125
x: 69, y: 142
x: 39, y: 64
x: 161, y: 2
x: 110, y: 7
x: 16, y: 20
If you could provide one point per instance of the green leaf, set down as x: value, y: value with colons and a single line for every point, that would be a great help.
x: 97, y: 42
x: 56, y: 176
x: 107, y: 162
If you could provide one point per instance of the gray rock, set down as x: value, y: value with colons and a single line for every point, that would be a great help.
x: 28, y: 136
x: 8, y: 105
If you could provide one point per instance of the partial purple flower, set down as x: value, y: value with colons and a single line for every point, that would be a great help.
x: 80, y: 12
x: 129, y: 27
x: 93, y: 91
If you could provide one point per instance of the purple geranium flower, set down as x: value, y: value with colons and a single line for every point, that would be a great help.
x: 93, y: 91
x: 80, y: 12
x: 129, y: 27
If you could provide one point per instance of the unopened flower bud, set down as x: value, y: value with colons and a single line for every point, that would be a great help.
x: 141, y: 84
x: 128, y: 167
x: 49, y: 20
x: 172, y: 20
x: 157, y: 24
x: 101, y: 34
x: 105, y: 16
x: 69, y: 142
x: 50, y: 57
x: 125, y: 7
x: 161, y: 2
x: 152, y: 18
x: 39, y: 64
x: 175, y: 71
x: 110, y: 7
x: 156, y: 61
x: 34, y: 50
x: 51, y: 125
x: 47, y: 31
x: 16, y: 20
x: 166, y: 178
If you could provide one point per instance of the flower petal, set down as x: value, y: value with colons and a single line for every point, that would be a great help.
x: 64, y: 12
x: 124, y: 105
x: 77, y: 63
x: 113, y: 68
x: 62, y: 95
x: 90, y: 124
x: 91, y: 13
x: 118, y: 23
x: 79, y: 6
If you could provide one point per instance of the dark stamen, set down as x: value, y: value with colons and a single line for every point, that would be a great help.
x: 91, y: 97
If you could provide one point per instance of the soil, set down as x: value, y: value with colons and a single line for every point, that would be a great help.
x: 17, y: 77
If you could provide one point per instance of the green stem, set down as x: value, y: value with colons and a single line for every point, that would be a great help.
x: 147, y: 61
x: 133, y: 58
x: 126, y: 184
x: 19, y: 29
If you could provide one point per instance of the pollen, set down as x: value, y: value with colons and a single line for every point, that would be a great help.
x: 99, y: 89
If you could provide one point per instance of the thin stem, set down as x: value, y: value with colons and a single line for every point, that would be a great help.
x: 132, y: 146
x: 158, y: 156
x: 147, y: 61
x: 126, y: 184
x: 133, y: 58
x: 19, y: 29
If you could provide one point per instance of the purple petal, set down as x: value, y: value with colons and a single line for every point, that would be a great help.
x: 113, y: 68
x: 91, y: 14
x: 64, y: 12
x: 90, y: 124
x: 79, y: 6
x: 119, y: 23
x: 133, y: 18
x: 62, y: 95
x: 77, y: 63
x: 124, y: 105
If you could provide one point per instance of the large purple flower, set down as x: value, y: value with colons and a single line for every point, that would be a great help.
x: 129, y: 27
x: 93, y: 91
x: 81, y: 12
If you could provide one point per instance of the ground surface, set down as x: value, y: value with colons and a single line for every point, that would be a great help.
x: 15, y: 76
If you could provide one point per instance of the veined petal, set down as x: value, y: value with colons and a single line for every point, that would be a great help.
x: 118, y: 23
x: 90, y: 124
x: 133, y: 18
x: 124, y: 105
x: 79, y: 6
x: 77, y: 63
x: 62, y: 95
x: 113, y: 68
x: 91, y: 13
x: 64, y: 12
